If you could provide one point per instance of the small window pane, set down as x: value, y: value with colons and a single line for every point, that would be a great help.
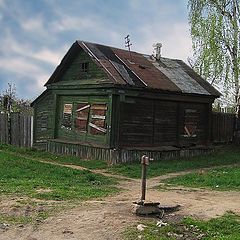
x: 67, y: 115
x: 84, y: 67
x: 98, y: 119
x: 81, y: 121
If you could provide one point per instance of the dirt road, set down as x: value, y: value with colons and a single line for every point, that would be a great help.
x: 106, y: 219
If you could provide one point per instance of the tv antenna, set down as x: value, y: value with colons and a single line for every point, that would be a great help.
x: 128, y: 45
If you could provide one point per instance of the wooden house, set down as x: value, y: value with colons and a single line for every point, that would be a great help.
x: 105, y: 102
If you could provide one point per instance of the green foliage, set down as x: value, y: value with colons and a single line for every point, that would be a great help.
x: 216, y: 37
x: 9, y: 102
x: 226, y: 227
x: 226, y: 178
x: 25, y: 177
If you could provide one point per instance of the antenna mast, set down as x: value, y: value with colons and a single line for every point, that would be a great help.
x: 128, y: 45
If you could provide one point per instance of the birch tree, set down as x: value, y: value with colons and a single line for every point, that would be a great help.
x: 216, y: 44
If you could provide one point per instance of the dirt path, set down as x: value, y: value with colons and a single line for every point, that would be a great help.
x: 106, y: 219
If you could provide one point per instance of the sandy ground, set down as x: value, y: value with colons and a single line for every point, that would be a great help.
x: 106, y: 219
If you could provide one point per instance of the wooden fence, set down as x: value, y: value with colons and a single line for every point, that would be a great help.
x: 16, y: 129
x: 223, y: 127
x: 4, y: 133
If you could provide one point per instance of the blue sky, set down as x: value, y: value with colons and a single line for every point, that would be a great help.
x: 35, y: 34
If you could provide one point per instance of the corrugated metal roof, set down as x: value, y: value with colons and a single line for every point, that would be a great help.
x: 141, y: 70
x: 177, y: 75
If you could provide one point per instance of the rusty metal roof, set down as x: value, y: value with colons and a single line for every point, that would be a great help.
x: 143, y: 71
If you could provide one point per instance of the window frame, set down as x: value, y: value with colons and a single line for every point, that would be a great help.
x: 84, y: 67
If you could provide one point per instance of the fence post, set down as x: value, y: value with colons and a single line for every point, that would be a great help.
x: 4, y: 136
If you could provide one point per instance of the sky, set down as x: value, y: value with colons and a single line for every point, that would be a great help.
x: 36, y: 34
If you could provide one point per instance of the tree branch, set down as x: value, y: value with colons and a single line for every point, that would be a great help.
x: 222, y: 9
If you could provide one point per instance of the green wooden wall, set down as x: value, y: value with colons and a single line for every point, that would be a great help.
x: 72, y: 133
x: 74, y: 73
x: 44, y: 119
x: 69, y: 89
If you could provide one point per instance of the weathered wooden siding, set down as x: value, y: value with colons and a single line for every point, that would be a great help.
x: 4, y: 132
x: 21, y: 130
x: 16, y: 130
x: 44, y: 117
x: 114, y: 156
x: 74, y: 72
x: 223, y: 125
x: 136, y: 124
x: 148, y: 122
x: 165, y: 123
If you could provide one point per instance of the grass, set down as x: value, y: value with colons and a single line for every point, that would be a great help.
x: 35, y: 190
x: 22, y: 176
x: 225, y: 178
x: 225, y: 156
x: 46, y: 156
x: 226, y: 227
x: 30, y: 210
x: 15, y: 219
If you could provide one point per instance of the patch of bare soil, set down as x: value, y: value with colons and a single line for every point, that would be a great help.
x: 106, y: 219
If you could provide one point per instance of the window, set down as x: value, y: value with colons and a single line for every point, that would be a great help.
x: 81, y: 120
x: 84, y: 67
x: 67, y: 115
x: 191, y: 118
x: 98, y: 119
x: 86, y: 118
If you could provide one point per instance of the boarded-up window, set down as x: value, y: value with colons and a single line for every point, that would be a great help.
x: 67, y: 115
x: 98, y: 119
x: 81, y: 121
x: 191, y: 118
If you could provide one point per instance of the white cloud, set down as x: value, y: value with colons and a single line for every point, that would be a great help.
x: 20, y: 66
x: 175, y: 39
x: 2, y: 3
x: 49, y: 56
x: 67, y: 23
x: 34, y: 76
x: 35, y: 26
x: 32, y: 24
x: 27, y: 51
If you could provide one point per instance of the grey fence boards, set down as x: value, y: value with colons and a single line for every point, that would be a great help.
x: 223, y: 127
x: 4, y: 136
x: 19, y: 127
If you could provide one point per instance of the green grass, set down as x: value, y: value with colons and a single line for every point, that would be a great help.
x: 25, y: 177
x: 226, y: 227
x: 15, y: 219
x: 225, y: 178
x: 230, y: 155
x: 223, y: 156
x: 46, y: 156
